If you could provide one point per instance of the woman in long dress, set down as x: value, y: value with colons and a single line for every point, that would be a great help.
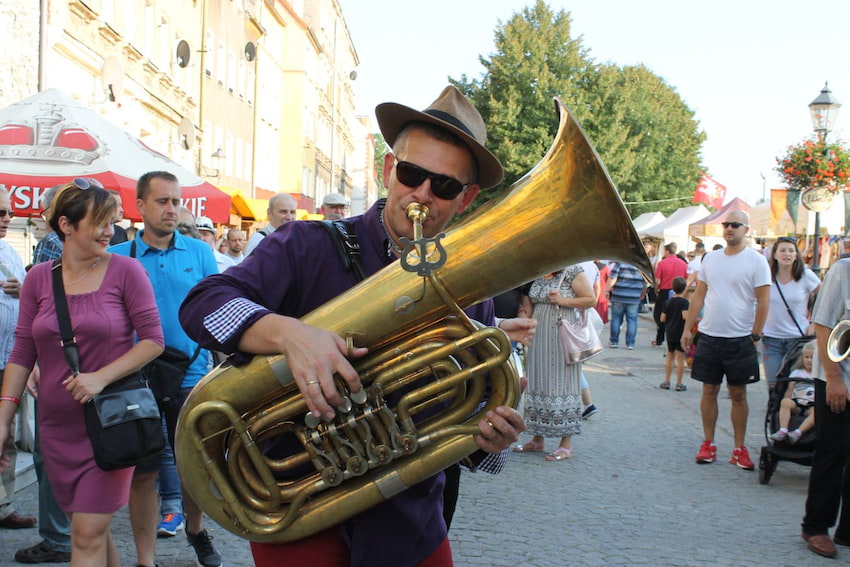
x: 553, y: 399
x: 111, y: 304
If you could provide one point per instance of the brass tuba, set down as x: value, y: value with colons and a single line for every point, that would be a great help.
x: 838, y: 343
x: 424, y: 352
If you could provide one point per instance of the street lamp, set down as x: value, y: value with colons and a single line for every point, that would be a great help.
x: 824, y: 112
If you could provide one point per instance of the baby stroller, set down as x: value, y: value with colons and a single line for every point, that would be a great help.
x: 803, y: 451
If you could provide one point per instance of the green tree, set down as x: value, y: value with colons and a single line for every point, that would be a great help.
x: 644, y: 132
x: 381, y: 148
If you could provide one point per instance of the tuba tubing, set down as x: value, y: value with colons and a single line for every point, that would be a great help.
x: 565, y: 210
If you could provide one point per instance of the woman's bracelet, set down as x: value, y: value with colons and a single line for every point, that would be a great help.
x: 17, y: 401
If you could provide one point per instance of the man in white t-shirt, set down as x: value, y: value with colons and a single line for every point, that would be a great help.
x: 734, y: 286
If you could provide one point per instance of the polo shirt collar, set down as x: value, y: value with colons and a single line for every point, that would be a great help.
x: 178, y: 242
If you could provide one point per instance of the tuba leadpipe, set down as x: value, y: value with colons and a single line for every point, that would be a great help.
x: 423, y: 350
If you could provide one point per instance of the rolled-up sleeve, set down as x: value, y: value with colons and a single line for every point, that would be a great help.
x: 219, y: 309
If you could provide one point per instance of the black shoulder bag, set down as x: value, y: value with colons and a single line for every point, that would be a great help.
x: 165, y: 373
x: 122, y: 421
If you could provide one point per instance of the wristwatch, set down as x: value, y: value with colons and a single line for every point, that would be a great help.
x: 756, y: 337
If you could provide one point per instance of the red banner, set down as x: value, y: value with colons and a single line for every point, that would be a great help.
x: 710, y: 192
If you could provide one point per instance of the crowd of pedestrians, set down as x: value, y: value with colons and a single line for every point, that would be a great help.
x: 163, y: 286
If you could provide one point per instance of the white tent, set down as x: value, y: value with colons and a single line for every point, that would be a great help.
x: 675, y: 227
x: 646, y: 221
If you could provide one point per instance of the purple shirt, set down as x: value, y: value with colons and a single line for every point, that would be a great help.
x: 293, y: 271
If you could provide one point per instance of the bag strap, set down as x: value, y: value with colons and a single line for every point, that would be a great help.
x: 561, y: 281
x: 345, y: 236
x: 198, y: 349
x: 68, y: 342
x: 788, y: 309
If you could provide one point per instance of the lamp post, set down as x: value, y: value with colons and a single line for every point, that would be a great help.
x: 824, y: 112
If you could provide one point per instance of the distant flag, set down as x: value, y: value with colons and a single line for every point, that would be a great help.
x: 710, y: 192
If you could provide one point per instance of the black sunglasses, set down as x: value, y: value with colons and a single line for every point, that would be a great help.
x: 4, y: 212
x: 86, y: 183
x: 735, y: 225
x: 442, y: 186
x: 790, y: 239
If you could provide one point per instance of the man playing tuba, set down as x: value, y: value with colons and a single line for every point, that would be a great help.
x: 439, y: 161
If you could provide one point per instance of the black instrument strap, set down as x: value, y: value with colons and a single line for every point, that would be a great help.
x: 345, y: 236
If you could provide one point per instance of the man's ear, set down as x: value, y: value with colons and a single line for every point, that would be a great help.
x: 389, y: 163
x: 468, y: 196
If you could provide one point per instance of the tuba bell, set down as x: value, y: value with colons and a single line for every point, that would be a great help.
x: 444, y: 369
x: 838, y: 343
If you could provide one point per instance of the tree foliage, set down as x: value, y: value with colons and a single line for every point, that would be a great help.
x: 381, y: 148
x: 644, y: 132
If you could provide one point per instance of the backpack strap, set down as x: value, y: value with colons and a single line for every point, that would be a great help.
x: 345, y: 236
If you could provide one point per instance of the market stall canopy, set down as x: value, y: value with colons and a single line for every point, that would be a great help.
x: 710, y: 225
x: 675, y: 227
x: 646, y: 221
x: 49, y: 139
x: 246, y: 207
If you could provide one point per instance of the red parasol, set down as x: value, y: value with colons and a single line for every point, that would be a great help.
x: 49, y: 139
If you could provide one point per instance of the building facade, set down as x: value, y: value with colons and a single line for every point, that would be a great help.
x: 253, y: 95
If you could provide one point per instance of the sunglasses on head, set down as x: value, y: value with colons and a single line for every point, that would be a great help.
x: 86, y: 183
x: 790, y: 239
x: 442, y: 186
x: 735, y: 225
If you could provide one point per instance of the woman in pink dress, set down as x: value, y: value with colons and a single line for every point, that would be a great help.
x: 117, y: 329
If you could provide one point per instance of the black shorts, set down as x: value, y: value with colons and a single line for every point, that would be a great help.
x: 736, y: 358
x: 674, y: 345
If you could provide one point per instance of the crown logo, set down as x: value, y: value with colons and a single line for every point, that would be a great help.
x: 50, y: 138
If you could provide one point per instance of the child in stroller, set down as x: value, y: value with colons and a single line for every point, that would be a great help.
x: 790, y: 411
x: 798, y: 400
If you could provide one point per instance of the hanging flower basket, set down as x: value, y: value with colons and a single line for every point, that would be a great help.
x: 815, y: 163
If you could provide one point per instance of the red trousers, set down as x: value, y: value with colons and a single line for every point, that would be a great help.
x: 327, y: 549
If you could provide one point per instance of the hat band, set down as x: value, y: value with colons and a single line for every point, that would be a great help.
x: 446, y: 117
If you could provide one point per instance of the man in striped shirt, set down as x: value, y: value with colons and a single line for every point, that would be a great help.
x: 626, y: 288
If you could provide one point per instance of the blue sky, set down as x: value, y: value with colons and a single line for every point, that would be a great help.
x: 748, y: 68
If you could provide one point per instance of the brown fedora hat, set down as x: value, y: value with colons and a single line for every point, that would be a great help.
x: 453, y: 112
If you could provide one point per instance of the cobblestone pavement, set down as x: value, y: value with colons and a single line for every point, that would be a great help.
x: 632, y: 495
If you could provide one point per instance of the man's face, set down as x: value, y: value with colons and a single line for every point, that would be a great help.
x: 283, y: 211
x: 235, y: 242
x: 208, y: 237
x: 119, y: 209
x: 333, y: 212
x: 735, y: 236
x: 435, y: 156
x: 159, y: 208
x: 5, y: 205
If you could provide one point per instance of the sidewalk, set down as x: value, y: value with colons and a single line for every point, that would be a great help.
x: 632, y: 495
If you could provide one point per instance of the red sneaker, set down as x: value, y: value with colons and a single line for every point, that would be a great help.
x: 707, y: 453
x: 741, y: 458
